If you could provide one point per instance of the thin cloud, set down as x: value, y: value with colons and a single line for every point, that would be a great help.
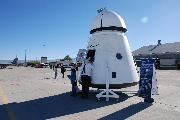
x: 144, y: 19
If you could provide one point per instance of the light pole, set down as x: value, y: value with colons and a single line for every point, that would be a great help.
x: 25, y: 63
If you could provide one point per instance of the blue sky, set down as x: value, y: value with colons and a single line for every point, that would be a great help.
x: 63, y: 25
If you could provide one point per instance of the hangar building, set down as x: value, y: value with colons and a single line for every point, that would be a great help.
x: 167, y: 55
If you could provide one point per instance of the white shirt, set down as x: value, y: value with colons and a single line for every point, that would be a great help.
x: 55, y: 69
x: 88, y: 69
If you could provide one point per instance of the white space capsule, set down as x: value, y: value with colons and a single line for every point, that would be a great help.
x: 109, y: 47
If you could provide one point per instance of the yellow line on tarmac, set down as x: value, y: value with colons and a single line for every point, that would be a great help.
x: 4, y: 99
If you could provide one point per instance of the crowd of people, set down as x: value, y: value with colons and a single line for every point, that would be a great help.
x: 86, y: 74
x: 63, y: 70
x: 85, y: 77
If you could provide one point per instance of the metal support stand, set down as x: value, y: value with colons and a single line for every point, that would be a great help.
x: 108, y: 93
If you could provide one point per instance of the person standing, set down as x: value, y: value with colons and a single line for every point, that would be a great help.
x: 55, y: 72
x: 73, y: 81
x: 63, y: 70
x: 86, y: 78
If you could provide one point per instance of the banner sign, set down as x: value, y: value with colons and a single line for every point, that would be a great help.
x: 148, y: 81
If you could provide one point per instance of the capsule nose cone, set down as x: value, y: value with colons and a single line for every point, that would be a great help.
x: 108, y: 20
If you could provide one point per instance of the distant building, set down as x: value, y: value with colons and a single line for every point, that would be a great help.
x: 43, y: 59
x: 167, y: 55
x: 60, y: 62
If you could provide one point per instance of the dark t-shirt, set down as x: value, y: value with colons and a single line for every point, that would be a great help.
x: 63, y: 69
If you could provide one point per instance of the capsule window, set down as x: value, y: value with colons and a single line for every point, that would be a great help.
x: 118, y: 56
x: 113, y: 74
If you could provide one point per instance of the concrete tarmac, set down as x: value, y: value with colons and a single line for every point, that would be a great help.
x: 32, y: 94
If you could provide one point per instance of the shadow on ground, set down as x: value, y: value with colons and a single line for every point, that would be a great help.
x: 53, y: 106
x: 69, y: 77
x: 127, y: 112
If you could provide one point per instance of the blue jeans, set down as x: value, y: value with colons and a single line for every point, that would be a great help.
x: 74, y: 85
